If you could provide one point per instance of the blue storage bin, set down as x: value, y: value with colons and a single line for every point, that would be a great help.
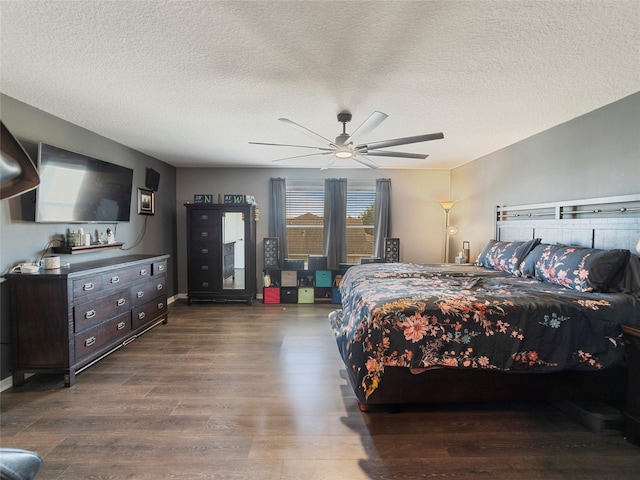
x: 335, y: 296
x: 323, y: 278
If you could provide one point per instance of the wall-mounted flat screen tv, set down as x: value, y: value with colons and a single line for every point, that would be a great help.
x: 75, y: 188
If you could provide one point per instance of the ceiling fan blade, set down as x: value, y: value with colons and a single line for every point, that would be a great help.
x: 366, y: 161
x: 301, y: 156
x: 306, y: 131
x: 288, y: 145
x: 385, y: 153
x: 400, y: 141
x: 368, y: 126
x: 330, y: 163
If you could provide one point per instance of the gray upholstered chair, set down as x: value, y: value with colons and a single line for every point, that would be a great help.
x: 16, y: 464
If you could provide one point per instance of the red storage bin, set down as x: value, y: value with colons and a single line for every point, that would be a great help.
x: 271, y: 295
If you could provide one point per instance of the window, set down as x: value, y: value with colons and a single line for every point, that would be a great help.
x: 305, y: 219
x: 361, y: 215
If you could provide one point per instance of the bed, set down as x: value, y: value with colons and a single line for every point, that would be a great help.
x: 538, y: 317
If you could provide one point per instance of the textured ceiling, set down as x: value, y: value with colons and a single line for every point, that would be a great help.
x: 192, y: 82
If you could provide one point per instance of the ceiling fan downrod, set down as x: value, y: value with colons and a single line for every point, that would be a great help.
x: 343, y: 118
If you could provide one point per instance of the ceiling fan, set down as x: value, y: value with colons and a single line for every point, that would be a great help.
x: 343, y: 147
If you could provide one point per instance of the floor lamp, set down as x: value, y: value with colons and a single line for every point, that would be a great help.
x: 448, y: 229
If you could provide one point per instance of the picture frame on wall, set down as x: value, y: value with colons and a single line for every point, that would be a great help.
x: 146, y: 202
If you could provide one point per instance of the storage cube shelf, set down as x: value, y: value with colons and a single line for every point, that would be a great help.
x: 301, y: 286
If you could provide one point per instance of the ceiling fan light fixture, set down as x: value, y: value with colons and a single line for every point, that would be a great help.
x: 343, y: 153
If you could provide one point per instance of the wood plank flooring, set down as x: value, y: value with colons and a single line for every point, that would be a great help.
x: 230, y: 391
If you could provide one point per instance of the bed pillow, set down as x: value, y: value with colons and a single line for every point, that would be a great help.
x: 527, y: 267
x: 505, y: 256
x: 630, y: 278
x: 582, y: 269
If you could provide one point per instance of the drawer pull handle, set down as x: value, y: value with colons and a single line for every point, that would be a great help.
x: 121, y: 325
x: 205, y: 284
x: 88, y: 286
x: 90, y: 314
x: 205, y: 250
x: 121, y: 302
x: 160, y: 306
x: 161, y: 268
x: 159, y: 286
x: 205, y: 267
x: 115, y: 279
x: 89, y: 341
x: 204, y: 217
x: 141, y: 315
x: 143, y: 272
x: 140, y: 294
x: 204, y: 234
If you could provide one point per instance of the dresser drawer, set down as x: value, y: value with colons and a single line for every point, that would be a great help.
x: 203, y: 219
x: 92, y: 340
x: 142, y: 292
x: 203, y: 283
x: 87, y: 285
x: 205, y: 235
x: 204, y: 252
x: 158, y: 268
x: 203, y: 269
x: 92, y: 313
x: 148, y: 312
x: 126, y: 276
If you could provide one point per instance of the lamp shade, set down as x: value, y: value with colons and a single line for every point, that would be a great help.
x: 447, y: 206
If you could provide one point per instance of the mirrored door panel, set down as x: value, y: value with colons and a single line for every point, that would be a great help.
x: 233, y: 261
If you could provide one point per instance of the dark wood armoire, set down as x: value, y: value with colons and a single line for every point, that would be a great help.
x: 221, y: 252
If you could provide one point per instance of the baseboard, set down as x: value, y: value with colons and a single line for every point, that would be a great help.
x: 7, y: 383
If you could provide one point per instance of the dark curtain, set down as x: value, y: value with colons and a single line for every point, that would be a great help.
x: 335, y: 221
x: 277, y: 215
x: 383, y: 215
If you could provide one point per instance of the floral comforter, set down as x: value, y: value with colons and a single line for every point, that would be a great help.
x: 428, y: 316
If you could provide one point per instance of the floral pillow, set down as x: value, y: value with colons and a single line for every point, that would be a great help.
x: 527, y: 267
x: 505, y: 256
x: 582, y: 269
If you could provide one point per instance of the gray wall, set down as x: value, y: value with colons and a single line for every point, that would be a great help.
x: 594, y: 155
x: 21, y: 239
x: 417, y: 217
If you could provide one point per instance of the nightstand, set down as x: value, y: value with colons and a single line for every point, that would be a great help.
x: 632, y: 413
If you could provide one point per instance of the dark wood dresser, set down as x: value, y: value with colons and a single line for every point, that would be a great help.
x: 65, y: 320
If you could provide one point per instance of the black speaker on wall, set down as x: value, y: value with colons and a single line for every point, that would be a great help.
x: 152, y: 179
x: 391, y: 250
x: 271, y: 249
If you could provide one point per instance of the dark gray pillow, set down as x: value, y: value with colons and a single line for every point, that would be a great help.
x: 630, y: 278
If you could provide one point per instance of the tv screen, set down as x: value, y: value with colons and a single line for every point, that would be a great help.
x: 75, y: 188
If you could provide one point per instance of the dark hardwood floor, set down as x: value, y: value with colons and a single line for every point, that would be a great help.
x: 231, y: 391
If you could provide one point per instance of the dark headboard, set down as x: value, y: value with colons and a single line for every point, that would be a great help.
x: 606, y: 223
